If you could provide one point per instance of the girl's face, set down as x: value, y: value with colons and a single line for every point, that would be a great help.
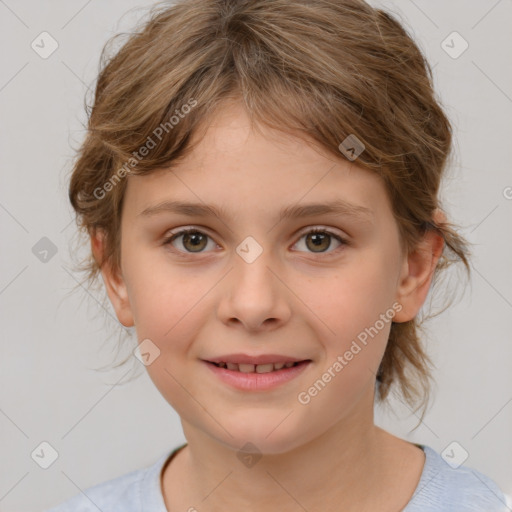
x: 254, y: 280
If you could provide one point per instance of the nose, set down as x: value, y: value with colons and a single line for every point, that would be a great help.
x: 254, y: 295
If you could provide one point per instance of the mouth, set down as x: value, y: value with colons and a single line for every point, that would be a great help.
x: 263, y: 377
x: 258, y: 368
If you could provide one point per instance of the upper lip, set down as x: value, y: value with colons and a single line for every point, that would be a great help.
x: 260, y: 359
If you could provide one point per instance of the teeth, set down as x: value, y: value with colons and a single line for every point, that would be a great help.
x: 255, y: 368
x: 246, y: 368
x: 265, y: 368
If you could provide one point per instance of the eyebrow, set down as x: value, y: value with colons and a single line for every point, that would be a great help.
x: 338, y: 207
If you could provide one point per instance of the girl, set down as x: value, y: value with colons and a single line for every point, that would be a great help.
x: 260, y: 184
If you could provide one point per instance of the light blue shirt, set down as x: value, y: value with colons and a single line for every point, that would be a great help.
x: 440, y: 489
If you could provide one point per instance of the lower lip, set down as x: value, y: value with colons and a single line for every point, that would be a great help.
x: 257, y: 381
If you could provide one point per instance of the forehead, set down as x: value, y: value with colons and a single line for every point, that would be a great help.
x: 239, y: 168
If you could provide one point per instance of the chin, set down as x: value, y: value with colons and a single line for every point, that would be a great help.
x: 265, y: 438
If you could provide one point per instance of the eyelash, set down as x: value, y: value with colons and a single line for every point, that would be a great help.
x: 174, y: 236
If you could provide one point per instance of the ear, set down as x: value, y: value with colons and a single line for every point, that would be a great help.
x: 417, y: 272
x: 114, y: 282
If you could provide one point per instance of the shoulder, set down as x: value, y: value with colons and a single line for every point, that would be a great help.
x: 445, y: 488
x: 105, y: 496
x: 131, y: 492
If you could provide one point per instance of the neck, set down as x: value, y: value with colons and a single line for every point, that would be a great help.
x: 342, y: 469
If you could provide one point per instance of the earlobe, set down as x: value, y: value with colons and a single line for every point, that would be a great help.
x: 114, y: 284
x: 417, y: 273
x: 118, y: 294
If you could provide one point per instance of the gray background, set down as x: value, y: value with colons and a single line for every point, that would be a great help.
x: 101, y: 424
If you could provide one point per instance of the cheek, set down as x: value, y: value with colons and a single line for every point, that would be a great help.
x: 166, y: 302
x: 169, y: 311
x: 356, y: 307
x: 353, y: 295
x: 157, y: 288
x: 347, y: 306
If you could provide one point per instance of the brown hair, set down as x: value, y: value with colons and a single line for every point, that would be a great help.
x: 321, y: 69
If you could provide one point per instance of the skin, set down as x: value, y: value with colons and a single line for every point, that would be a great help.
x: 293, y: 299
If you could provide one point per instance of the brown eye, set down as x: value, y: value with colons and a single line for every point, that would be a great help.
x: 192, y: 240
x: 320, y: 240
